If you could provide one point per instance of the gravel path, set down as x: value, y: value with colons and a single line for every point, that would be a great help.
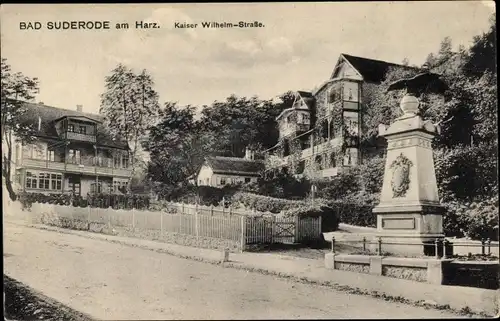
x: 111, y: 281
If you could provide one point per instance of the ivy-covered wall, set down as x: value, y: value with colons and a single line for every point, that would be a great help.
x: 328, y: 120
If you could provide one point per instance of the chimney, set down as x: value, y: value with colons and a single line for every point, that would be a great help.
x: 79, y: 108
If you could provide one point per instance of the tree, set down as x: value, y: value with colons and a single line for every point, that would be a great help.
x: 382, y: 107
x: 176, y: 145
x: 445, y: 50
x: 482, y: 54
x: 16, y: 88
x: 431, y: 60
x: 405, y: 62
x: 240, y: 122
x: 129, y: 105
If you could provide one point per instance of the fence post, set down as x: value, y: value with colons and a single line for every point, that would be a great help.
x: 364, y: 243
x: 161, y: 222
x: 182, y: 207
x: 243, y: 233
x: 444, y: 248
x: 436, y: 248
x: 196, y: 222
x: 211, y: 210
x: 297, y: 236
x: 333, y: 244
x: 379, y: 245
x: 482, y: 247
x: 230, y: 210
x: 489, y: 246
x: 88, y: 218
x: 133, y: 218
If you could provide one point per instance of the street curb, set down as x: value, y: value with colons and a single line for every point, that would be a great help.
x: 464, y: 311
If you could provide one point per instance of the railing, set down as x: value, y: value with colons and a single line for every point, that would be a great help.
x: 440, y: 248
x: 79, y: 136
x: 82, y: 165
x: 276, y: 161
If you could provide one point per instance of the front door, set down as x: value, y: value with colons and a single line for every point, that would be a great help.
x: 75, y: 185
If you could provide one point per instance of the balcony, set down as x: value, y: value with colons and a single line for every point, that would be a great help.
x: 83, y: 166
x: 320, y: 148
x: 78, y: 137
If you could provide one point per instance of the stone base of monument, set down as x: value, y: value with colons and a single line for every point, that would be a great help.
x: 410, y: 229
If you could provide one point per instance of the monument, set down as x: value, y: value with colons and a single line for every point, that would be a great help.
x: 409, y: 215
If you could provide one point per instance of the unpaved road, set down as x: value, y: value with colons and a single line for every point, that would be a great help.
x: 112, y: 281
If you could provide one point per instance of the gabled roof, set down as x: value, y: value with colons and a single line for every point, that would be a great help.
x: 306, y: 96
x: 370, y: 69
x: 235, y: 166
x: 49, y: 116
x: 84, y: 118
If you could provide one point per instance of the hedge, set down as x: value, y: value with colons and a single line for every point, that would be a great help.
x: 94, y: 200
x: 204, y: 195
x: 263, y: 203
x: 329, y: 218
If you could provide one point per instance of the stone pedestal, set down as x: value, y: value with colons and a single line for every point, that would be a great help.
x: 409, y: 209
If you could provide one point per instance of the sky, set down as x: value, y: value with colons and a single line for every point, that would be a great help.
x: 296, y: 49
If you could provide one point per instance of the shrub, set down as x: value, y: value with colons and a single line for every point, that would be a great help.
x: 95, y: 200
x: 354, y: 213
x: 477, y: 220
x: 280, y: 185
x: 467, y: 172
x: 264, y: 203
x: 329, y: 218
x: 205, y: 195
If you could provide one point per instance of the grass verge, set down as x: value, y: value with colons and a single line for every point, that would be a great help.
x: 24, y: 303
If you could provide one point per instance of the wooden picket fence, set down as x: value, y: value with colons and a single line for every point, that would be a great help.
x: 242, y: 227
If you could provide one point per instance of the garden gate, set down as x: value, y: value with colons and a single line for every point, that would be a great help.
x: 284, y: 230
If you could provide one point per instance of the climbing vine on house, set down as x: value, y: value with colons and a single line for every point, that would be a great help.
x: 295, y: 155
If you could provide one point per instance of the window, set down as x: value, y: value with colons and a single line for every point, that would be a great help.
x: 319, y: 161
x: 74, y: 156
x: 56, y: 181
x: 83, y: 130
x: 247, y: 179
x: 347, y: 157
x: 333, y: 160
x: 93, y: 189
x: 38, y: 152
x: 223, y: 181
x: 75, y: 187
x: 301, y: 166
x: 116, y: 161
x: 120, y: 186
x: 352, y: 126
x: 45, y: 181
x: 125, y: 161
x: 31, y: 180
x: 71, y: 128
x: 51, y: 155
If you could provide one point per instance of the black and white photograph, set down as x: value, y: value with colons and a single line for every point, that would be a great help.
x: 250, y: 161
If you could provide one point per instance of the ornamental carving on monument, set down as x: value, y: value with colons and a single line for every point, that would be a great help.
x: 400, y: 182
